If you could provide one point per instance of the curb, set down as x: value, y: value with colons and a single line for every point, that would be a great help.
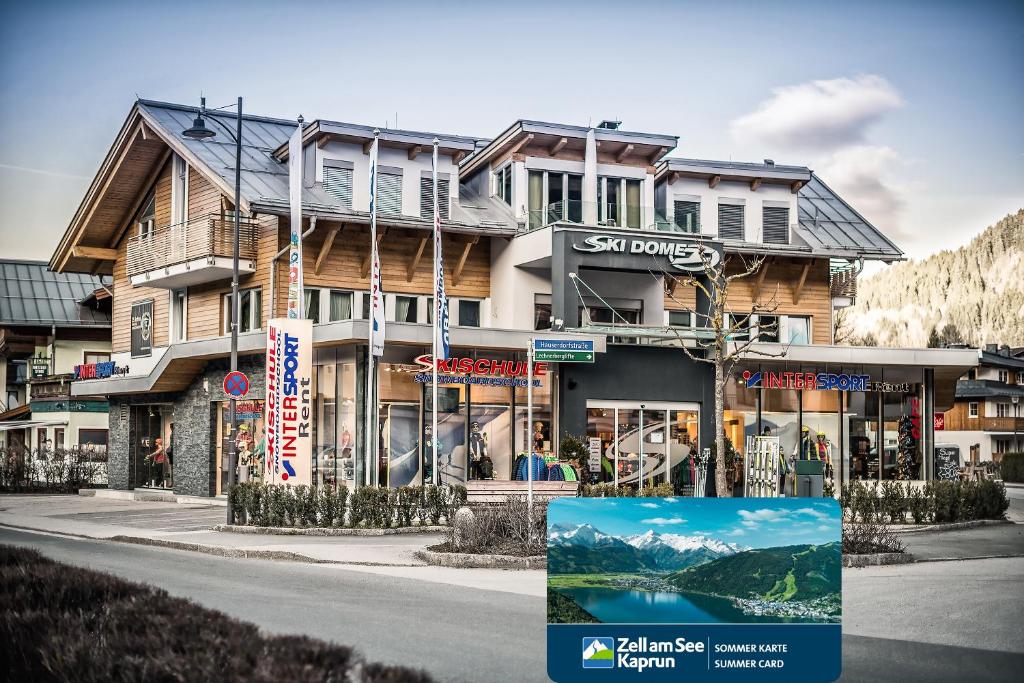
x: 471, y: 561
x: 877, y: 559
x: 964, y: 559
x: 953, y: 526
x: 326, y: 531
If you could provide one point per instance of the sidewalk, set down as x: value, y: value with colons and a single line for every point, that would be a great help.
x: 189, y: 527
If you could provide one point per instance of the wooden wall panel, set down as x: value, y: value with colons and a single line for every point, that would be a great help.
x: 162, y: 191
x: 203, y: 196
x: 780, y: 281
x: 124, y: 296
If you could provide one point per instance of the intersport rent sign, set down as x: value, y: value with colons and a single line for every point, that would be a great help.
x: 688, y: 256
x: 289, y: 406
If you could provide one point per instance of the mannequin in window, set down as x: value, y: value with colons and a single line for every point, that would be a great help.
x: 538, y: 436
x: 477, y: 451
x: 429, y: 446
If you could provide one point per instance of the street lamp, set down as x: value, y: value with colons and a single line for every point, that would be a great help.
x: 1016, y: 416
x: 200, y: 132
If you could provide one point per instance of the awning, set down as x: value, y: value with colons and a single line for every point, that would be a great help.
x: 28, y: 424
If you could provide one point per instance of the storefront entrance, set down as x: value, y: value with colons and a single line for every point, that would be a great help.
x: 250, y: 443
x: 665, y: 435
x: 151, y: 465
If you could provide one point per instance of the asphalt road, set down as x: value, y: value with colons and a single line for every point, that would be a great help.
x: 460, y: 634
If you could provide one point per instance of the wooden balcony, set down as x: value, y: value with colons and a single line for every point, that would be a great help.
x: 191, y: 253
x: 1001, y: 424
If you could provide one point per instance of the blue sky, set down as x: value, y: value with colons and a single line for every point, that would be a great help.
x: 752, y: 522
x: 911, y: 109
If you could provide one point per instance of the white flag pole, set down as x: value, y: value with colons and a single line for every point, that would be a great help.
x: 371, y: 461
x: 435, y: 476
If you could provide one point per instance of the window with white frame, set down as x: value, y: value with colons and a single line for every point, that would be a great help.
x: 427, y: 195
x: 769, y: 328
x: 503, y: 183
x: 1002, y: 410
x: 341, y: 306
x: 406, y: 309
x: 430, y: 309
x: 250, y: 311
x: 338, y: 180
x: 179, y: 315
x: 795, y: 329
x: 740, y: 325
x: 775, y: 224
x: 469, y: 312
x: 554, y: 196
x: 1020, y: 377
x: 311, y: 304
x: 179, y: 190
x: 972, y: 409
x: 686, y: 216
x: 91, y: 357
x: 1004, y: 376
x: 680, y: 318
x: 1002, y: 446
x: 146, y: 221
x: 731, y: 224
x: 389, y: 190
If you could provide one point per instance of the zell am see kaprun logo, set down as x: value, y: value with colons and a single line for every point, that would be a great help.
x: 630, y: 653
x: 598, y: 653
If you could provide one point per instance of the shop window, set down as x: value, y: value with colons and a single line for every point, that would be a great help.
x: 861, y: 417
x: 93, y: 439
x: 821, y: 417
x: 340, y: 306
x: 469, y: 313
x: 740, y: 416
x: 311, y: 304
x: 250, y: 312
x: 406, y: 309
x: 972, y: 409
x: 902, y: 432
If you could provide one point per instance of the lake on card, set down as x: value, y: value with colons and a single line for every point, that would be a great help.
x: 617, y: 606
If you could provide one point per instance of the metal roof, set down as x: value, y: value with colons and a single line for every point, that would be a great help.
x: 828, y: 224
x: 740, y: 169
x: 986, y: 388
x: 33, y: 295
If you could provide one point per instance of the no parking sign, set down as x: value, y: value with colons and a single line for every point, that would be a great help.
x: 236, y: 384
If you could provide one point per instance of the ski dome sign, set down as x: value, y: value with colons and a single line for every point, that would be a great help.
x: 688, y: 256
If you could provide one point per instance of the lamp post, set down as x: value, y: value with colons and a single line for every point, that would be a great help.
x: 199, y: 131
x: 1016, y: 416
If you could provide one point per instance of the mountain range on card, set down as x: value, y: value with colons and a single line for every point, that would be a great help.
x: 583, y: 549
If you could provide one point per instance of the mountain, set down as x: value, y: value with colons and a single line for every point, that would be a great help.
x: 582, y: 549
x: 973, y: 295
x: 796, y: 572
x: 565, y: 610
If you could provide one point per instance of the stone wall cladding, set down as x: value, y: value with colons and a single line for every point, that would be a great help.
x: 195, y: 424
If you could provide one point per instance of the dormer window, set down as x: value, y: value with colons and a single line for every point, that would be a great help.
x: 427, y: 195
x: 389, y: 190
x: 775, y: 224
x: 503, y: 183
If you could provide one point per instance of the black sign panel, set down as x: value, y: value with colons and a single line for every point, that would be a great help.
x: 142, y: 328
x: 947, y: 462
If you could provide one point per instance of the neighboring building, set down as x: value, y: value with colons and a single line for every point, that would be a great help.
x: 49, y: 324
x: 520, y: 213
x: 987, y: 419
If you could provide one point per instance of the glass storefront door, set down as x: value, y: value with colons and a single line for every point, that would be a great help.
x: 667, y: 437
x: 399, y: 444
x: 151, y: 466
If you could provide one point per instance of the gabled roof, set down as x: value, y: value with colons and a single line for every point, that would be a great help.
x: 828, y: 224
x: 31, y: 295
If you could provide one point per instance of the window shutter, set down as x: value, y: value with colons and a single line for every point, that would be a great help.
x: 427, y: 198
x: 776, y: 225
x: 730, y: 221
x: 338, y: 184
x: 389, y: 194
x: 687, y: 216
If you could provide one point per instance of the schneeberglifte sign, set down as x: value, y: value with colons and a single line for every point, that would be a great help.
x: 289, y: 405
x: 690, y: 256
x: 694, y: 589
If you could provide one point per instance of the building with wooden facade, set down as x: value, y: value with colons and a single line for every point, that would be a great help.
x: 549, y: 230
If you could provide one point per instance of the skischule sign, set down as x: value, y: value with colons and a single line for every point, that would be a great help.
x: 688, y: 256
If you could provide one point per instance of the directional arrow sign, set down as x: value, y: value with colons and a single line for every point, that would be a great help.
x: 564, y: 356
x: 563, y: 345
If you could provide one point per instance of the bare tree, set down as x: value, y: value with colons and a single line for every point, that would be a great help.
x: 842, y: 327
x: 730, y: 334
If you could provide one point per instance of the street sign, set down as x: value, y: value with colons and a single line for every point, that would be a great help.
x: 563, y: 345
x: 594, y: 459
x: 236, y: 384
x: 564, y: 356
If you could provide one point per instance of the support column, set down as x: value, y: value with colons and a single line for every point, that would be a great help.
x: 590, y: 180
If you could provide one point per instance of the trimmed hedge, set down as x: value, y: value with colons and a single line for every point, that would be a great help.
x: 63, y: 623
x: 937, y: 501
x: 50, y: 470
x: 1012, y: 467
x: 258, y: 504
x: 606, y: 490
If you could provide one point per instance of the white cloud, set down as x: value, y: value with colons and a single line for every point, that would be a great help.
x: 763, y: 515
x: 861, y: 175
x: 824, y: 114
x: 817, y: 514
x: 649, y: 505
x: 826, y: 527
x: 737, y: 532
x: 663, y: 521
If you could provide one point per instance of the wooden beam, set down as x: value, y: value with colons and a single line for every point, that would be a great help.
x: 416, y: 259
x: 800, y: 285
x: 364, y: 271
x: 457, y: 275
x: 414, y: 152
x: 322, y: 140
x: 795, y: 187
x: 557, y: 147
x: 325, y: 248
x: 754, y: 184
x: 623, y: 153
x: 522, y: 143
x: 760, y: 277
x: 147, y: 185
x: 714, y: 180
x: 98, y: 253
x: 458, y: 156
x: 662, y: 151
x: 674, y: 176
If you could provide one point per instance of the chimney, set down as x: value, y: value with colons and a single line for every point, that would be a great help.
x: 769, y: 162
x: 609, y: 125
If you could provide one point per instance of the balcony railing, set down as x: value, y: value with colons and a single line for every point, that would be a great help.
x: 621, y: 215
x: 1002, y: 424
x: 208, y: 237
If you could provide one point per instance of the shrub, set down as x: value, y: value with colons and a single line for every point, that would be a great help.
x: 360, y: 506
x: 892, y: 502
x: 609, y: 490
x: 1012, y: 467
x: 917, y: 503
x: 870, y: 537
x: 277, y: 496
x: 63, y: 623
x: 574, y: 449
x: 407, y: 502
x: 435, y: 503
x: 50, y: 470
x: 992, y: 502
x: 504, y: 529
x: 455, y: 497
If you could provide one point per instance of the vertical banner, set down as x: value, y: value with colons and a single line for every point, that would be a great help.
x: 440, y: 314
x: 376, y: 290
x: 289, y: 406
x: 295, y: 201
